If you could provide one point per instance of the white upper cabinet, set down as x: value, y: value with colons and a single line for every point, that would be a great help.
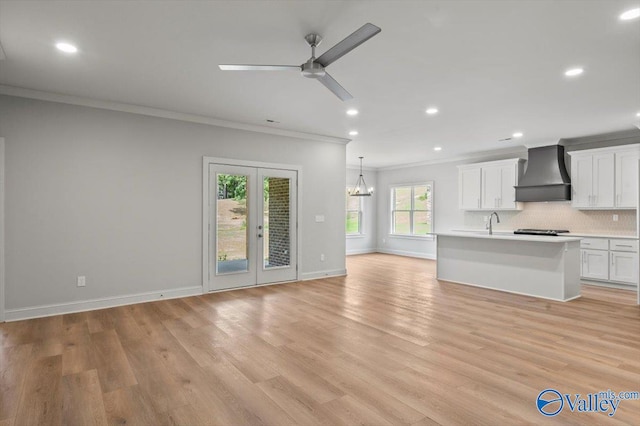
x: 581, y: 180
x: 605, y: 178
x: 469, y: 188
x: 627, y: 178
x: 489, y: 186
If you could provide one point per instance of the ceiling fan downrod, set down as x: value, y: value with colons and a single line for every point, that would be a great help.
x: 311, y: 69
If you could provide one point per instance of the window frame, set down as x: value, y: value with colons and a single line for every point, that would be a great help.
x: 360, y: 232
x: 392, y: 197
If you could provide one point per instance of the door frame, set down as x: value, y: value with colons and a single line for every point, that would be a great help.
x: 2, y: 262
x: 206, y: 161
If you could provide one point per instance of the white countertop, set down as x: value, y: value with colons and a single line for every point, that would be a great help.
x: 620, y: 237
x: 508, y: 236
x: 570, y: 234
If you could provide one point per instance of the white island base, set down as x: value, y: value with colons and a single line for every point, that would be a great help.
x: 546, y: 267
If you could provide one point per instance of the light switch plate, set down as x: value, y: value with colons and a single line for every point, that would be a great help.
x: 319, y: 218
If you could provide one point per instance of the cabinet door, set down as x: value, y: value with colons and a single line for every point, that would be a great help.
x: 627, y: 179
x: 491, y: 187
x: 595, y: 264
x: 603, y: 180
x: 469, y: 188
x: 581, y: 181
x: 507, y: 196
x: 624, y: 267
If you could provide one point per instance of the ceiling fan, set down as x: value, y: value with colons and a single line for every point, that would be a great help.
x: 315, y: 67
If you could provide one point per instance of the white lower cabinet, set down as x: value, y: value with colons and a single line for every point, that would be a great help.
x: 610, y: 260
x: 624, y: 267
x: 595, y: 264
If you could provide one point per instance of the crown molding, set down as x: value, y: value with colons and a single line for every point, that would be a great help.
x: 484, y: 155
x: 630, y: 135
x: 162, y: 113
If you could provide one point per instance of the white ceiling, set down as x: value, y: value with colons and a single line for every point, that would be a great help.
x: 491, y: 67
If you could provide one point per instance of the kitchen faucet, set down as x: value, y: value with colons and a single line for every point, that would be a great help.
x: 489, y: 224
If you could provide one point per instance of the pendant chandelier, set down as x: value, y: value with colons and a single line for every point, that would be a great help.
x: 360, y: 189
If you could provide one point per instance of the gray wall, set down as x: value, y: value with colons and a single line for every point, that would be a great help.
x: 118, y: 197
x: 367, y: 242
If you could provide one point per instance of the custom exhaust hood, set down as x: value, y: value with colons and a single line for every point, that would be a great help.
x: 546, y: 177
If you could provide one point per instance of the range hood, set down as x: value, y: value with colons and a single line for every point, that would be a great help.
x: 546, y: 177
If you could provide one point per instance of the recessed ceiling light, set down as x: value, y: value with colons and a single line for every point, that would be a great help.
x: 66, y: 47
x: 638, y: 114
x: 630, y: 14
x: 437, y: 148
x: 432, y: 111
x: 573, y: 72
x: 352, y: 112
x: 517, y: 135
x: 353, y: 133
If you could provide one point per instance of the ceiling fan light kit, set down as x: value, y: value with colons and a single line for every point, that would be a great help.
x: 315, y: 68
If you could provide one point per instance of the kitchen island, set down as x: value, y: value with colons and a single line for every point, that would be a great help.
x: 540, y: 266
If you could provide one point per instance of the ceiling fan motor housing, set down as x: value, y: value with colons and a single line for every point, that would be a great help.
x: 310, y: 69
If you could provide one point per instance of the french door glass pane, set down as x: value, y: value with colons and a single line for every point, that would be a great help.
x: 231, y: 227
x: 401, y: 222
x: 276, y: 238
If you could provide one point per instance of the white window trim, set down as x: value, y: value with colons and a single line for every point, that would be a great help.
x: 391, y: 234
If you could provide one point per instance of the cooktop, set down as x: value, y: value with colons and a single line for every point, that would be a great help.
x: 549, y: 232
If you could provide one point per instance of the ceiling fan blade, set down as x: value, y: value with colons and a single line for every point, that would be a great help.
x: 335, y: 87
x: 358, y: 37
x: 260, y: 67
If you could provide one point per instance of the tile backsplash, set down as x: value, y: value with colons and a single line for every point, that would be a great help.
x: 560, y: 215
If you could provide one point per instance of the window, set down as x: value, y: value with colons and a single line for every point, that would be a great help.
x: 412, y: 209
x: 354, y: 215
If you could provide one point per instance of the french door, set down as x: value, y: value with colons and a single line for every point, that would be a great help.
x: 252, y: 226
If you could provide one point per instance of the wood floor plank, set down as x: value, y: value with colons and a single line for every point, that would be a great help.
x: 131, y: 406
x: 14, y: 364
x: 111, y: 362
x: 40, y: 401
x: 82, y: 402
x: 347, y: 410
x: 387, y: 344
x: 78, y: 359
x: 295, y: 402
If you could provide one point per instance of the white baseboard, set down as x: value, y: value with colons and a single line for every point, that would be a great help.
x: 93, y: 304
x: 361, y: 251
x: 408, y: 253
x: 323, y: 274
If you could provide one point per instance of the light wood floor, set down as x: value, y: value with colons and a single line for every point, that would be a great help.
x: 386, y: 345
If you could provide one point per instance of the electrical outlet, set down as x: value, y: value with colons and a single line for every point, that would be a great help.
x: 82, y: 281
x: 615, y: 217
x: 485, y: 218
x: 322, y: 257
